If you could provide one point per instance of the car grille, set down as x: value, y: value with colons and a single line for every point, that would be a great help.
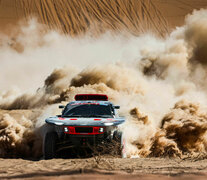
x: 83, y: 129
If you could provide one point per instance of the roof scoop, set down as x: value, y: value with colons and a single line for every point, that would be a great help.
x: 94, y: 97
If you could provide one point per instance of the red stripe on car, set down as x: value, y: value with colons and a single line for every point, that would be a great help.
x: 97, y: 119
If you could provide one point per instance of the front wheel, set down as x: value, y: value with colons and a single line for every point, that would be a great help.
x: 119, y: 138
x: 50, y: 145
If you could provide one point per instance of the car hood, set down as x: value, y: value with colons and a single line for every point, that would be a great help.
x: 66, y: 121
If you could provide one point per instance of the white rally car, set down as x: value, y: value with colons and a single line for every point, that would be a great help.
x: 88, y: 121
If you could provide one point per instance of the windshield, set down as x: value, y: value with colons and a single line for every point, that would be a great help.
x: 88, y: 110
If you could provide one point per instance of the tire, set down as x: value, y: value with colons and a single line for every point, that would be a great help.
x: 123, y: 147
x: 50, y: 145
x: 118, y: 137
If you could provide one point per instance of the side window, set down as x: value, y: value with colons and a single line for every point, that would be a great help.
x: 112, y: 109
x: 65, y: 109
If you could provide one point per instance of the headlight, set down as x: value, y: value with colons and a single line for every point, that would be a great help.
x: 65, y: 129
x: 101, y: 129
x: 108, y: 124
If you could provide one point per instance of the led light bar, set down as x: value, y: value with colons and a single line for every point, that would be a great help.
x: 96, y: 97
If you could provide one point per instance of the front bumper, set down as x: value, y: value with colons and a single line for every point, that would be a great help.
x: 84, y: 130
x: 81, y: 141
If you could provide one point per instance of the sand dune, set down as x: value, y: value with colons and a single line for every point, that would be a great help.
x: 77, y: 17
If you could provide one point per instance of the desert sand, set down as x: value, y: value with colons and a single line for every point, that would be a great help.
x: 76, y: 17
x: 104, y: 168
x: 150, y: 58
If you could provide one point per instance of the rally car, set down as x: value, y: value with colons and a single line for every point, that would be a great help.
x: 87, y: 122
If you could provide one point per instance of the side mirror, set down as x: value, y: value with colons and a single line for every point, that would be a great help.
x: 61, y: 106
x: 116, y: 107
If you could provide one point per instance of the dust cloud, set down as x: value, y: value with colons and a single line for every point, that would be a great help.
x: 160, y: 85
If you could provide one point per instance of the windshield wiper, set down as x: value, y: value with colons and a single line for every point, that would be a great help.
x: 106, y: 116
x: 72, y: 116
x: 85, y: 116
